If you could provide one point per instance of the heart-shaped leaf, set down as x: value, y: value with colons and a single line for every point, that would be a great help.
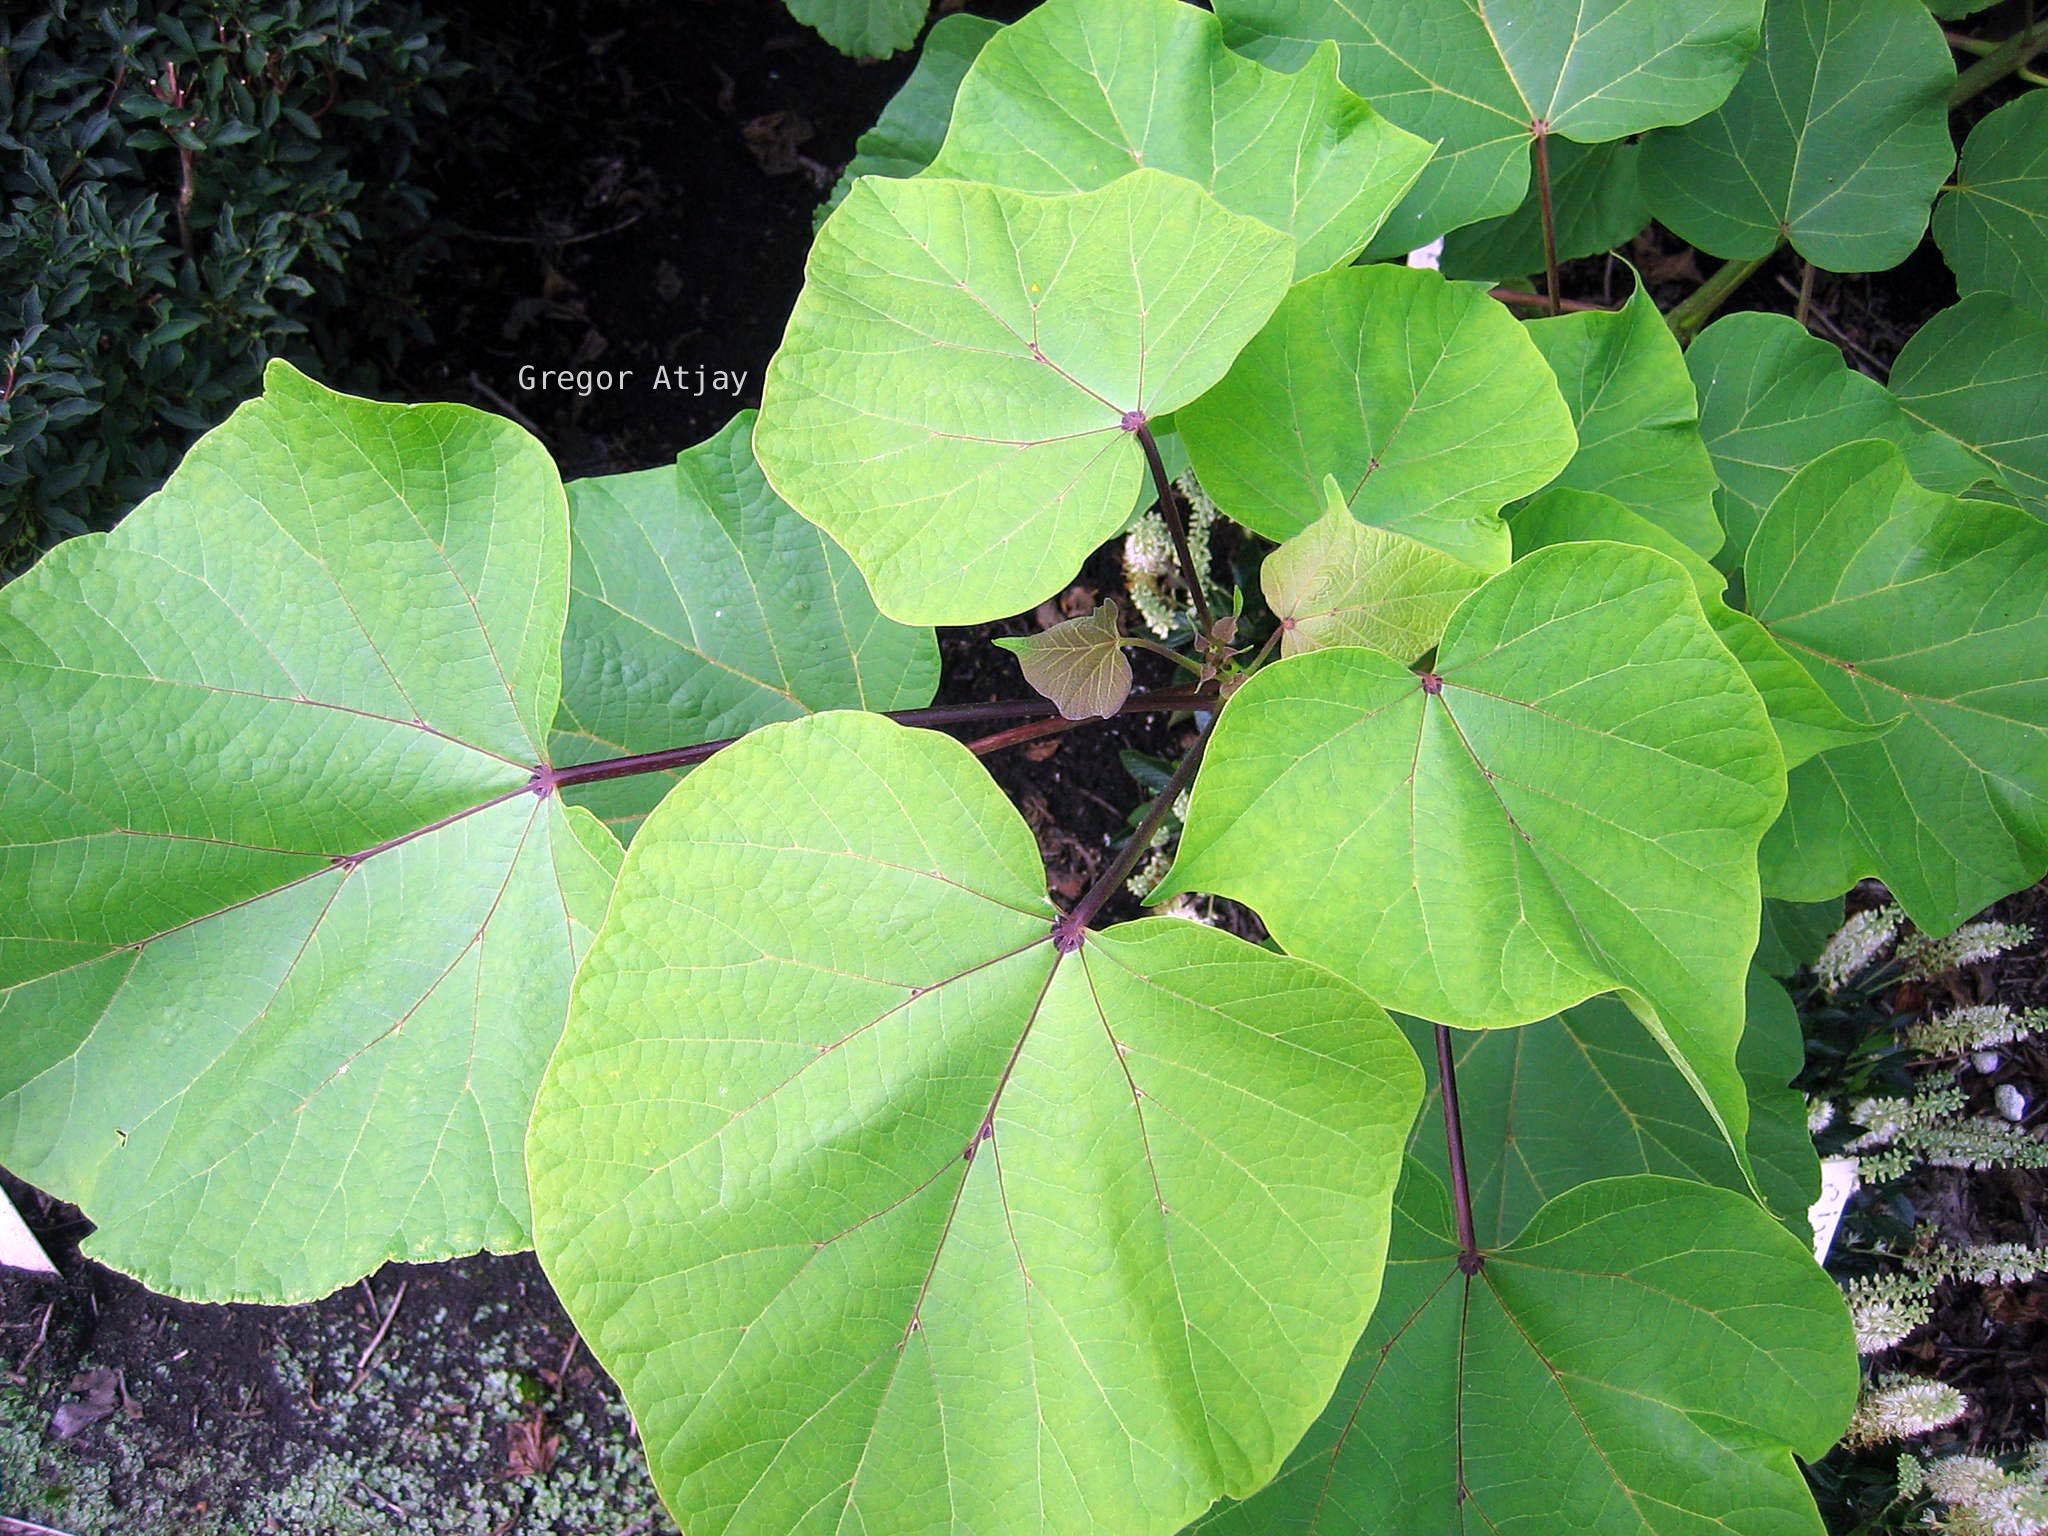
x: 889, y: 1214
x: 1977, y: 373
x: 1482, y: 79
x: 1569, y: 803
x: 1993, y: 224
x: 913, y: 125
x: 1079, y: 664
x: 284, y: 947
x: 863, y: 29
x: 1632, y: 402
x: 702, y: 606
x: 1596, y: 205
x: 1836, y: 138
x: 1081, y: 91
x: 1643, y: 1360
x: 1427, y: 400
x: 1898, y: 598
x: 955, y: 398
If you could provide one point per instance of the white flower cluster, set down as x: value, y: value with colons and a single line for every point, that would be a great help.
x: 1887, y: 1308
x: 1983, y: 1263
x: 1896, y: 1407
x: 1980, y: 1027
x: 1856, y: 944
x: 1924, y: 957
x: 1151, y: 568
x: 1820, y: 1114
x: 1935, y: 1128
x: 1984, y: 1498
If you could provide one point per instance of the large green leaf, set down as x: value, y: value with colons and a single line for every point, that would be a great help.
x: 913, y: 125
x: 1978, y: 374
x: 1632, y: 401
x: 889, y: 1215
x: 864, y: 29
x: 1588, y: 1095
x: 1899, y: 598
x: 1597, y: 204
x: 1774, y: 397
x: 284, y: 938
x: 1644, y: 1360
x: 1081, y: 91
x: 1427, y: 400
x: 950, y: 401
x: 1836, y: 138
x: 1993, y: 224
x: 1568, y: 804
x: 1478, y: 77
x: 701, y: 606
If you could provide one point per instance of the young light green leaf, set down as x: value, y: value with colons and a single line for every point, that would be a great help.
x: 1080, y: 91
x: 1836, y: 138
x: 1898, y: 598
x: 913, y: 125
x: 910, y: 1221
x: 863, y: 29
x: 1569, y: 803
x: 1427, y: 400
x: 1343, y: 582
x: 1079, y: 664
x: 1481, y: 79
x: 702, y: 606
x: 1597, y: 204
x: 1774, y: 397
x: 955, y: 396
x: 1993, y: 224
x: 1588, y: 1095
x: 1977, y: 373
x: 284, y: 938
x: 1644, y: 1360
x: 1632, y: 401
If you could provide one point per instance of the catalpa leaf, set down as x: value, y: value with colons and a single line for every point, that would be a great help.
x: 1596, y: 205
x: 911, y: 1220
x: 863, y: 29
x: 1080, y: 92
x: 1343, y: 582
x: 1793, y: 934
x: 1836, y: 139
x: 1977, y: 373
x: 913, y: 125
x: 1588, y: 1095
x: 1568, y: 803
x: 1481, y: 78
x: 1774, y: 397
x: 1645, y: 1359
x: 956, y: 396
x: 285, y: 935
x: 702, y: 606
x: 1896, y: 598
x: 1427, y: 400
x: 1637, y: 416
x: 1079, y: 664
x: 1993, y: 224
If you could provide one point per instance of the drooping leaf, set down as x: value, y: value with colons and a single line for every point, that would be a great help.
x: 1977, y: 373
x: 1993, y: 224
x: 863, y: 29
x: 284, y: 939
x: 1079, y: 664
x: 905, y: 1220
x: 913, y: 125
x: 1427, y: 400
x: 1897, y: 598
x: 1774, y: 397
x: 1836, y: 139
x: 1644, y: 1360
x: 1343, y: 582
x: 1597, y: 205
x: 702, y: 606
x: 1793, y: 933
x: 1588, y: 1095
x: 1569, y: 803
x: 1632, y: 401
x: 949, y: 402
x: 1477, y: 78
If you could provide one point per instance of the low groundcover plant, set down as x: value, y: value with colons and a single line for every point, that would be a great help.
x: 406, y: 854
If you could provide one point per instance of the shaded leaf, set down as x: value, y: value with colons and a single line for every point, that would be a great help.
x: 1977, y: 373
x: 1993, y: 224
x: 1079, y: 664
x: 863, y: 29
x: 1793, y: 933
x: 913, y: 125
x: 1597, y: 205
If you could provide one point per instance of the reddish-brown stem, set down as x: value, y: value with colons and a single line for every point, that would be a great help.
x: 1169, y: 510
x: 1549, y: 215
x: 1537, y: 301
x: 1470, y: 1259
x: 1069, y: 932
x: 1017, y: 735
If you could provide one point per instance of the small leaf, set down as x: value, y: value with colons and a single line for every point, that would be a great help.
x: 1977, y: 373
x: 952, y: 401
x: 1644, y: 1360
x: 913, y: 125
x: 1836, y: 138
x: 1898, y: 598
x: 1078, y: 664
x: 1343, y: 582
x: 863, y: 29
x: 1427, y: 400
x: 1567, y: 804
x: 1079, y: 92
x: 702, y: 606
x: 1597, y: 205
x: 909, y: 1221
x: 1993, y: 224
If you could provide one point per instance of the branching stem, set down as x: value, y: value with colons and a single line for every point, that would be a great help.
x: 1549, y: 216
x: 1168, y: 509
x: 1070, y: 930
x: 1470, y: 1259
